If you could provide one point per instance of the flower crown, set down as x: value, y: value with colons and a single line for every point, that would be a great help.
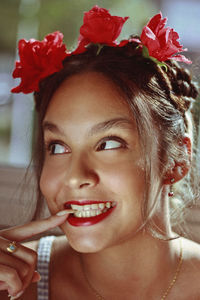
x: 39, y: 59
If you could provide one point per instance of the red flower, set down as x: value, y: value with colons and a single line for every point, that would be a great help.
x: 162, y: 42
x: 99, y: 27
x: 38, y: 60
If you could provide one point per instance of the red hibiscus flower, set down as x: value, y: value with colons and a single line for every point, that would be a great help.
x: 162, y: 42
x: 99, y: 27
x: 38, y: 59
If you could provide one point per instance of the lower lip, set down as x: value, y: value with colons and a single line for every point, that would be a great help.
x: 74, y: 221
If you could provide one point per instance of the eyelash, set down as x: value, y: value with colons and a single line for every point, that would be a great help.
x: 50, y: 143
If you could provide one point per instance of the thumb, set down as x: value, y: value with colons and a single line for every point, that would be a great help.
x: 36, y: 277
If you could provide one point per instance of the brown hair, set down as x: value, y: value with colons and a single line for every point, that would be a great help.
x: 160, y: 100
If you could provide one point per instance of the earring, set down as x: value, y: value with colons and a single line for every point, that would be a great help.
x: 171, y: 193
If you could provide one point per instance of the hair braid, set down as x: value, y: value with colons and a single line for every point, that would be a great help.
x: 179, y: 88
x: 165, y: 85
x: 182, y: 85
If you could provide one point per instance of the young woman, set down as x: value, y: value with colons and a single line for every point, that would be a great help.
x: 114, y: 136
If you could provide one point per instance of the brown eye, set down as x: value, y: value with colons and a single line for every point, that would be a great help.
x: 110, y: 144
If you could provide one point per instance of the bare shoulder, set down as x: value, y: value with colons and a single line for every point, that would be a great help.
x: 191, y: 253
x: 190, y: 273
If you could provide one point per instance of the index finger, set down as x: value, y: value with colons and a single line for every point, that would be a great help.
x: 26, y: 231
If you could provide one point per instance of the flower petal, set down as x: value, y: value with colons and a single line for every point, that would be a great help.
x: 162, y: 42
x: 100, y: 27
x: 38, y: 59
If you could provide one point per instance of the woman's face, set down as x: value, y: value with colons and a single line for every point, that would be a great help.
x: 93, y: 156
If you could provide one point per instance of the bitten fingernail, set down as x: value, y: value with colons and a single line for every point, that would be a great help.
x: 65, y: 212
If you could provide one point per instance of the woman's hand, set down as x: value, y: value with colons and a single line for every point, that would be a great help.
x: 17, y: 269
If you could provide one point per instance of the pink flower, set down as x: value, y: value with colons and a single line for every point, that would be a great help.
x: 38, y: 59
x: 162, y: 42
x: 99, y: 27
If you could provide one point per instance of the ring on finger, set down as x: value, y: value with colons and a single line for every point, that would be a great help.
x: 12, y: 247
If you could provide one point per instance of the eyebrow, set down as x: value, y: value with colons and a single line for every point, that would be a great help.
x: 106, y: 125
x: 97, y: 128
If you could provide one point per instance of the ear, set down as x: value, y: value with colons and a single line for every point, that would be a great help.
x: 180, y: 169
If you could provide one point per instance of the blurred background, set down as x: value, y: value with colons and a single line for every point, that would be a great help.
x: 36, y: 18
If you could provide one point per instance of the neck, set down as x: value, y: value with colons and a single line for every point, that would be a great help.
x: 118, y: 268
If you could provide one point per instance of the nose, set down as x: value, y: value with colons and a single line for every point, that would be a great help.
x: 81, y: 173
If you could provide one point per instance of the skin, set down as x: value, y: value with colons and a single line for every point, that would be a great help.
x: 121, y: 260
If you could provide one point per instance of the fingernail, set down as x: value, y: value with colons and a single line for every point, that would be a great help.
x: 64, y: 212
x: 36, y: 277
x: 16, y: 296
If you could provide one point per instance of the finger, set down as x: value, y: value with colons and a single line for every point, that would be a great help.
x: 23, y: 232
x: 23, y: 261
x: 16, y: 295
x: 11, y: 261
x: 11, y: 278
x: 23, y: 253
x: 3, y: 286
x: 36, y: 277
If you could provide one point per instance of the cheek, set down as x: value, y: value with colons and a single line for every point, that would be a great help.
x: 127, y: 176
x: 49, y: 182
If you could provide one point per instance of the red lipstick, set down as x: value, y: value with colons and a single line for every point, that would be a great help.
x: 86, y: 221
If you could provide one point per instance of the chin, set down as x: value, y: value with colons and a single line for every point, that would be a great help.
x: 83, y: 243
x: 84, y: 247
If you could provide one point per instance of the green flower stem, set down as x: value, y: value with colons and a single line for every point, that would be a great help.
x: 100, y: 46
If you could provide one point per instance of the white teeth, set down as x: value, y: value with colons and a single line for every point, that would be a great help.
x: 83, y: 213
x: 94, y: 206
x: 101, y: 205
x: 91, y: 210
x: 93, y: 213
x: 89, y: 213
x: 78, y: 214
x: 89, y: 207
x: 76, y: 207
x: 86, y: 207
x: 108, y: 205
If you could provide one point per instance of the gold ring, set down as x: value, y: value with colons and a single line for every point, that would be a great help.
x: 12, y: 247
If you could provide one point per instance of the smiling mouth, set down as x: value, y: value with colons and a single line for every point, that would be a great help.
x: 90, y: 210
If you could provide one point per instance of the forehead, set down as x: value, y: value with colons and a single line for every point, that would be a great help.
x: 88, y: 94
